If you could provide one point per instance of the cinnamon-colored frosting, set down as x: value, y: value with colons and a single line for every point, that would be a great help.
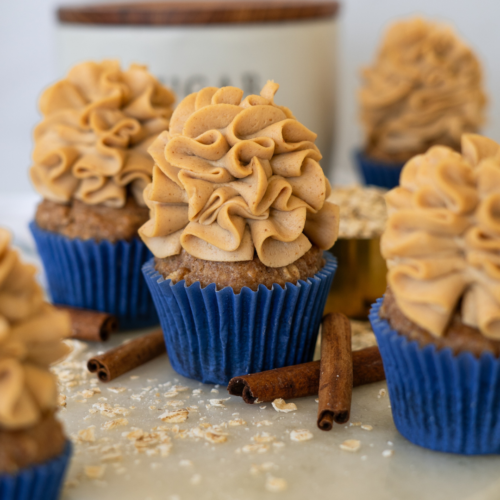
x: 235, y: 176
x: 442, y: 239
x: 425, y: 88
x: 30, y: 340
x: 97, y: 125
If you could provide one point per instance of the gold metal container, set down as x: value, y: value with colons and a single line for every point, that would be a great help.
x: 360, y: 278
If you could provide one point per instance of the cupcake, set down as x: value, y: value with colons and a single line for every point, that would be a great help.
x: 425, y: 88
x: 90, y: 164
x: 34, y: 452
x: 239, y: 221
x: 360, y: 278
x: 438, y: 326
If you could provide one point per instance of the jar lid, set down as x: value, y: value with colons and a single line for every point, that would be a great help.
x: 198, y: 12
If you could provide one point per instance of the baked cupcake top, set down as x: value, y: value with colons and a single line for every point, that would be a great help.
x: 236, y: 176
x: 442, y: 239
x: 97, y: 125
x: 425, y: 88
x: 30, y: 340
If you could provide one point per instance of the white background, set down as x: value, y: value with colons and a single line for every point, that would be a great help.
x: 28, y: 64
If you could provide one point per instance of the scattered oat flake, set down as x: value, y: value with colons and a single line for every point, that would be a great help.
x: 196, y: 479
x: 174, y: 416
x: 351, y: 445
x: 382, y: 393
x: 165, y: 449
x: 263, y: 407
x: 278, y: 444
x: 175, y: 403
x: 355, y: 424
x: 387, y: 453
x: 215, y: 391
x: 95, y: 471
x: 218, y: 402
x: 134, y: 377
x: 171, y: 394
x: 255, y: 448
x: 263, y: 437
x: 88, y: 393
x: 367, y: 427
x: 283, y: 406
x: 87, y: 435
x: 196, y: 392
x: 215, y: 437
x: 236, y: 422
x: 275, y: 484
x: 263, y: 423
x: 117, y: 390
x: 113, y: 424
x: 61, y: 400
x: 152, y: 408
x: 265, y: 467
x: 301, y: 435
x: 185, y: 463
x: 111, y: 457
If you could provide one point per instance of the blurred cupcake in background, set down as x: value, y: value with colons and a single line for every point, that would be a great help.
x: 361, y: 276
x: 34, y: 451
x: 239, y: 221
x: 90, y: 164
x: 425, y: 88
x: 438, y: 325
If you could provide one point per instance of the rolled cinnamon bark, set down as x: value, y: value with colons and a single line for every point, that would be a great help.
x: 335, y: 378
x: 90, y: 325
x: 126, y: 357
x: 303, y: 380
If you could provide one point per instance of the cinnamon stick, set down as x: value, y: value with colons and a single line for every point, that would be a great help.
x: 126, y: 357
x: 335, y: 378
x: 303, y: 380
x: 90, y: 325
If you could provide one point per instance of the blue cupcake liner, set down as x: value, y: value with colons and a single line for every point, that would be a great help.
x: 213, y: 336
x: 439, y: 400
x: 377, y: 173
x: 101, y: 276
x: 38, y: 482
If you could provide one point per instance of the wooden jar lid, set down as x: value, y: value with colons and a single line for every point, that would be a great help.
x: 200, y: 12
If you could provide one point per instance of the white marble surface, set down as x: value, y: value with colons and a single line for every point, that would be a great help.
x: 314, y: 468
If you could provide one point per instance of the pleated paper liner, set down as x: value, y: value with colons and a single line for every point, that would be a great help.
x: 212, y: 336
x: 38, y: 482
x: 439, y: 400
x: 377, y: 173
x: 102, y: 276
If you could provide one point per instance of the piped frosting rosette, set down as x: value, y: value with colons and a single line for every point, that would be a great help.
x: 233, y: 176
x: 30, y: 340
x: 425, y: 88
x: 97, y: 125
x: 442, y: 239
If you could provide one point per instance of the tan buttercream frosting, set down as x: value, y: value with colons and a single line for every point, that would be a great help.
x: 425, y: 88
x: 30, y: 340
x: 442, y: 239
x: 97, y: 125
x: 233, y: 176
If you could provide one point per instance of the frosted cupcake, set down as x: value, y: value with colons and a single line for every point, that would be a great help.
x: 238, y: 224
x: 91, y: 166
x: 425, y: 88
x: 34, y: 452
x: 438, y: 326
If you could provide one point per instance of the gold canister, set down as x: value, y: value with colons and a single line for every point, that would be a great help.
x: 360, y: 278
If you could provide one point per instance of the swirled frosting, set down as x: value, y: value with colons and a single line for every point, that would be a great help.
x: 425, y: 88
x: 30, y: 340
x: 97, y: 125
x: 235, y: 176
x: 442, y: 239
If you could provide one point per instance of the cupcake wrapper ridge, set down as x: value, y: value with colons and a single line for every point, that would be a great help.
x: 377, y: 173
x: 441, y: 401
x: 212, y: 335
x: 38, y: 482
x: 101, y: 276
